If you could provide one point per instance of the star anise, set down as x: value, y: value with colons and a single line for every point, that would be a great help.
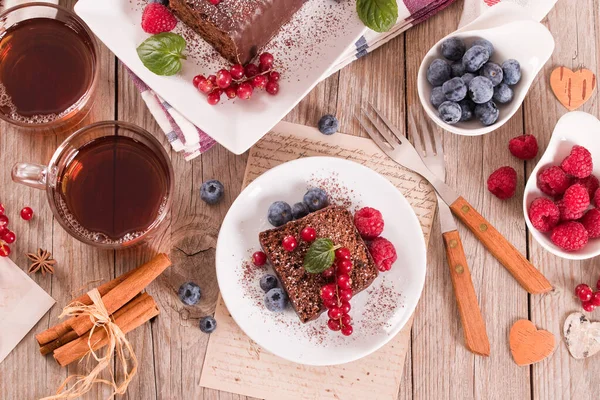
x: 42, y: 261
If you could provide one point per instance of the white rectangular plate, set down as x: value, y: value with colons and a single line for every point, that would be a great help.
x: 304, y: 50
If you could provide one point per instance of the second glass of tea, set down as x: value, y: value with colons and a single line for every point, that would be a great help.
x: 48, y: 66
x: 109, y: 184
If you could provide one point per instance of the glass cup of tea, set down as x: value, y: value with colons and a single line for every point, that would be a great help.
x: 49, y: 67
x: 109, y: 184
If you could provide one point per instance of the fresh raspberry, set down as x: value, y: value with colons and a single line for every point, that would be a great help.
x: 157, y: 18
x: 553, y: 181
x: 576, y: 198
x: 566, y: 214
x: 591, y: 183
x: 503, y: 182
x: 591, y: 222
x: 597, y: 198
x: 578, y: 163
x: 369, y: 223
x: 570, y: 236
x: 544, y: 214
x: 383, y: 253
x: 524, y: 147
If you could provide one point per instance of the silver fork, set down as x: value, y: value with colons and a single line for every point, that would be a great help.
x: 476, y: 338
x: 400, y: 150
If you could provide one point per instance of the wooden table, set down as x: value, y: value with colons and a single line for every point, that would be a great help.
x: 171, y: 348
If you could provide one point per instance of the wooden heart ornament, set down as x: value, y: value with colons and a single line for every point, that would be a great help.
x: 572, y: 89
x: 581, y: 335
x: 529, y: 345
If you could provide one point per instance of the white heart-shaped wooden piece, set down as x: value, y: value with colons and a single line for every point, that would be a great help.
x: 582, y: 336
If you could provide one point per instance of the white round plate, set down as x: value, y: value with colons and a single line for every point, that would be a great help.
x: 379, y: 312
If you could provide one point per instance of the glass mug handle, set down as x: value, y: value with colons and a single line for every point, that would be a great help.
x: 33, y: 175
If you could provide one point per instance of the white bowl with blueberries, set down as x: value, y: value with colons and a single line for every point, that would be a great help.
x: 473, y: 81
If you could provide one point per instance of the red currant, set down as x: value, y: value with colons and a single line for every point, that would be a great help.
x: 205, y: 86
x: 251, y: 70
x: 334, y: 313
x: 344, y: 281
x: 263, y: 67
x: 328, y: 273
x: 266, y: 59
x: 272, y: 88
x: 223, y: 78
x: 231, y: 91
x: 274, y: 76
x: 345, y: 294
x: 3, y: 230
x: 237, y: 71
x: 308, y: 234
x: 213, y: 79
x: 328, y: 292
x: 197, y: 80
x: 343, y: 254
x: 345, y: 307
x: 344, y: 267
x: 9, y: 237
x: 330, y: 303
x: 1, y: 208
x: 214, y: 97
x: 346, y: 319
x: 259, y: 81
x: 584, y: 292
x: 289, y: 243
x: 214, y: 2
x: 334, y: 324
x: 244, y: 91
x: 588, y: 306
x: 596, y: 299
x: 347, y: 330
x: 3, y: 221
x: 27, y: 213
x: 259, y: 258
x: 4, y: 250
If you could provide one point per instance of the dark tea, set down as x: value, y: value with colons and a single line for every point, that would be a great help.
x: 113, y: 190
x: 46, y: 67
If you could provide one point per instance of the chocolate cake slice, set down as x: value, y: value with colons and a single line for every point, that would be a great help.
x: 302, y: 287
x: 238, y: 29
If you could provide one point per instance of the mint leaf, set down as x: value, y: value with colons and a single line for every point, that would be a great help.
x: 162, y: 53
x: 379, y: 15
x: 320, y: 256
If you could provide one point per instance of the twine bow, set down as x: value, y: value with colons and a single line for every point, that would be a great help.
x: 126, y: 360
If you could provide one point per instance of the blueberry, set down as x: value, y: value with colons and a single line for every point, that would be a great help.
x: 493, y: 72
x: 300, y: 210
x: 276, y: 300
x: 437, y: 96
x: 268, y: 282
x: 438, y: 72
x: 486, y: 44
x: 453, y: 48
x: 454, y: 89
x: 328, y: 124
x: 189, y: 293
x: 481, y: 89
x: 450, y: 112
x: 487, y: 113
x: 467, y: 107
x: 280, y: 213
x: 503, y: 93
x: 512, y: 72
x: 316, y: 199
x: 468, y: 77
x: 474, y: 58
x: 458, y: 69
x: 212, y: 191
x: 208, y: 324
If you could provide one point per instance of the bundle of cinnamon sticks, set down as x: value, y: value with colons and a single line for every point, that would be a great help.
x: 123, y: 299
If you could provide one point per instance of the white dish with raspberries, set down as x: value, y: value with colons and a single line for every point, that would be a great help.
x: 560, y: 207
x: 377, y: 313
x: 481, y: 113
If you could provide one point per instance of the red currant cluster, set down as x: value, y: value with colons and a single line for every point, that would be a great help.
x: 336, y: 296
x: 6, y: 235
x: 240, y: 81
x: 589, y: 299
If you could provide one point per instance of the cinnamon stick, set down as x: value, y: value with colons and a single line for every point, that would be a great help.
x: 56, y: 332
x: 127, y: 320
x: 72, y: 335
